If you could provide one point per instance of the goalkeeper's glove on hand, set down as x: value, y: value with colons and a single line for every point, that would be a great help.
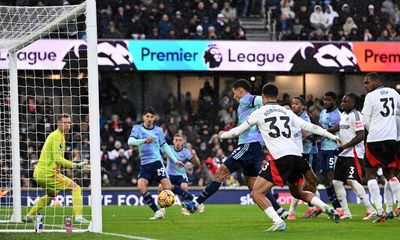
x: 83, y: 167
x: 338, y: 150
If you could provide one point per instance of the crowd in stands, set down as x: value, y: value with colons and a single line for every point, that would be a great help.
x: 317, y: 20
x: 174, y: 19
x: 336, y: 20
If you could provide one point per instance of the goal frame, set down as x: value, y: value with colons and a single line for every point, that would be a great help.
x: 94, y: 129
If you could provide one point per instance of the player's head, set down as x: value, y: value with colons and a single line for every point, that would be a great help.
x: 330, y: 99
x: 148, y: 117
x: 270, y: 93
x: 240, y: 88
x: 348, y: 102
x: 372, y: 81
x: 64, y: 122
x: 297, y: 105
x: 178, y: 141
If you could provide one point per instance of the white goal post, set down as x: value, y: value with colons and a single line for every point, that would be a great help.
x: 30, y: 100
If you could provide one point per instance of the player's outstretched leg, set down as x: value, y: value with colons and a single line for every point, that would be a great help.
x: 193, y: 205
x: 362, y: 195
x: 42, y: 202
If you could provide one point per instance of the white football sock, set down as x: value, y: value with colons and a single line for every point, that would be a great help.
x: 341, y: 194
x: 395, y: 186
x: 271, y: 213
x: 376, y: 197
x: 361, y: 194
x: 388, y: 196
x: 293, y: 205
x: 319, y: 203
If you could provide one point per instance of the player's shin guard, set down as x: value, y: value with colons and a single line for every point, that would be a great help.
x: 42, y: 202
x: 341, y: 194
x: 360, y: 191
x: 150, y: 201
x: 77, y: 201
x: 376, y: 197
x: 184, y: 194
x: 330, y: 190
x: 208, y: 191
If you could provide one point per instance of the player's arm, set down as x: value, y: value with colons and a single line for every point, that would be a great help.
x: 300, y: 123
x: 167, y: 150
x: 195, y: 159
x: 235, y: 132
x: 134, y: 138
x: 333, y: 129
x: 57, y: 152
x: 258, y: 101
x: 359, y: 127
x: 367, y: 113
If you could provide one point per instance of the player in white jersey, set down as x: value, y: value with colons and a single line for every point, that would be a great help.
x: 275, y: 124
x: 348, y: 168
x: 380, y: 116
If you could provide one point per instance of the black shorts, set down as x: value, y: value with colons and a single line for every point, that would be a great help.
x: 348, y: 168
x: 306, y: 163
x: 381, y: 154
x: 246, y: 156
x: 287, y: 169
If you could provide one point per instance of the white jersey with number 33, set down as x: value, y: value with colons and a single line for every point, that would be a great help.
x: 379, y: 114
x: 276, y: 125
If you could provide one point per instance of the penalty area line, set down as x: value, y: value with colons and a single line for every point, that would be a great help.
x: 126, y: 236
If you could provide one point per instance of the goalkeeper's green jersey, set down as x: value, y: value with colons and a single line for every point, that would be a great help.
x: 52, y: 155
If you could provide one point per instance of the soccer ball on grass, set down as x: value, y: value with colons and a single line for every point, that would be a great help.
x: 166, y: 198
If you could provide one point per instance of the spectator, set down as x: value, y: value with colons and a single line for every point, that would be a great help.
x: 199, y: 33
x: 228, y: 12
x: 164, y: 25
x: 211, y: 166
x: 317, y: 19
x: 349, y: 25
x: 211, y: 33
x: 330, y: 15
x: 286, y: 8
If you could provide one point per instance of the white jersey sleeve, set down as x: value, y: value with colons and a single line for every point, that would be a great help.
x: 300, y: 123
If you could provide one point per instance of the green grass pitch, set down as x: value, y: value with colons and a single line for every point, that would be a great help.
x: 223, y: 222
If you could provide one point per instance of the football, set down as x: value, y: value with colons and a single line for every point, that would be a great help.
x: 166, y: 198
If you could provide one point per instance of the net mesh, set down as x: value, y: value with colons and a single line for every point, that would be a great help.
x: 52, y: 79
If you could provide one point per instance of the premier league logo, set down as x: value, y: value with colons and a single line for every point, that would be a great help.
x: 212, y: 56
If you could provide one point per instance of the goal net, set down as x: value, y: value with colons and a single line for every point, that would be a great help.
x: 48, y: 67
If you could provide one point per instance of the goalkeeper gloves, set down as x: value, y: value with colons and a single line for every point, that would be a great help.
x: 83, y: 167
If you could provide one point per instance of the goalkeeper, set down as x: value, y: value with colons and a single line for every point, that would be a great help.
x: 47, y: 172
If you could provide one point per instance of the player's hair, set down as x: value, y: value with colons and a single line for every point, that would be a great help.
x: 178, y: 135
x: 61, y: 116
x: 149, y: 110
x: 269, y: 90
x: 300, y: 99
x: 243, y: 83
x: 373, y: 76
x: 357, y: 100
x: 331, y: 94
